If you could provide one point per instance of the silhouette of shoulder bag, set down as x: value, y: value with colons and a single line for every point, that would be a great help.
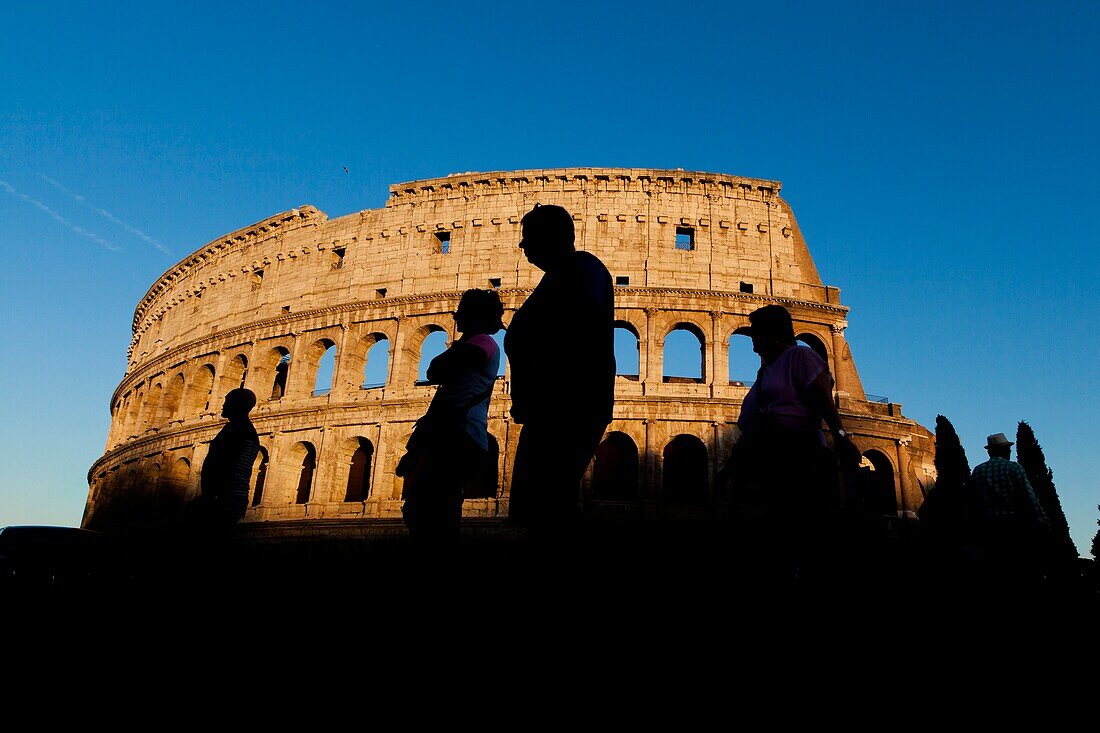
x: 430, y: 431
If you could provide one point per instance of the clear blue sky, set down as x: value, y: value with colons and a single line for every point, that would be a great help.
x: 941, y: 160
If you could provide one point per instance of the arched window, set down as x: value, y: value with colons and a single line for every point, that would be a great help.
x: 133, y: 419
x: 684, y: 475
x: 626, y: 350
x: 484, y: 483
x: 435, y: 343
x: 808, y: 339
x: 744, y: 363
x: 308, y: 455
x: 876, y: 482
x: 377, y: 367
x: 358, y: 488
x: 259, y: 476
x: 202, y: 387
x: 282, y: 371
x: 152, y: 404
x: 323, y: 353
x: 615, y: 472
x: 178, y: 477
x: 170, y: 403
x: 684, y: 354
x: 235, y: 373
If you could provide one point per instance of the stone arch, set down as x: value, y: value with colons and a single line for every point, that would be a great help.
x: 685, y: 471
x: 131, y: 407
x: 259, y: 476
x: 627, y: 350
x: 234, y: 374
x: 814, y: 342
x: 743, y: 362
x: 615, y: 468
x: 370, y: 364
x: 272, y: 373
x: 680, y: 343
x: 318, y: 363
x: 428, y: 347
x: 179, y: 476
x: 303, y: 456
x: 173, y: 396
x: 876, y: 480
x: 487, y: 477
x: 200, y: 392
x: 152, y: 404
x: 359, y: 469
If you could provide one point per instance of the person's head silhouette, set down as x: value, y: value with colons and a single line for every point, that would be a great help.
x: 548, y: 236
x: 772, y: 331
x: 479, y: 311
x: 998, y: 446
x: 238, y: 403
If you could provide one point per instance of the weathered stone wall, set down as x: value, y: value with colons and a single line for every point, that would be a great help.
x: 299, y: 282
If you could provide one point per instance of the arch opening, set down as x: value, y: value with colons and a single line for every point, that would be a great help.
x: 626, y: 351
x: 259, y: 476
x: 685, y: 471
x: 684, y: 355
x: 358, y: 488
x: 876, y: 481
x: 308, y: 467
x: 615, y: 469
x: 744, y: 363
x: 324, y: 351
x: 434, y: 344
x: 376, y: 368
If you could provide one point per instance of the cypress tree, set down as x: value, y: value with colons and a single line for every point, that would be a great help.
x: 943, y: 510
x: 951, y: 465
x: 1096, y: 542
x: 1029, y: 454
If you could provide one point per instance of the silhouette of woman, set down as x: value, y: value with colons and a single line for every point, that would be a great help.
x: 450, y: 442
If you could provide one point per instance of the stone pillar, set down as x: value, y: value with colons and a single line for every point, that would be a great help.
x: 718, y: 373
x: 904, y: 485
x: 341, y: 385
x: 838, y: 349
x: 654, y: 358
x: 649, y: 474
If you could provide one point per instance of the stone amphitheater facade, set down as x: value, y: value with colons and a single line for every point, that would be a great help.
x: 262, y: 305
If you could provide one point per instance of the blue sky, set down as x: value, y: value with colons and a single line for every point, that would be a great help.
x: 941, y: 161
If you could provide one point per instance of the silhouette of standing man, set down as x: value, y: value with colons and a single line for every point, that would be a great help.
x: 227, y: 470
x: 560, y: 344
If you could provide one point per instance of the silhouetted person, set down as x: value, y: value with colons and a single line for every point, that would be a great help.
x: 227, y: 470
x: 561, y: 350
x: 1006, y: 522
x: 451, y: 442
x: 784, y: 476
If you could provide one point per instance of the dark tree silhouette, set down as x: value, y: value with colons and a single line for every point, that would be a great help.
x: 943, y: 512
x: 1096, y: 542
x: 1029, y: 454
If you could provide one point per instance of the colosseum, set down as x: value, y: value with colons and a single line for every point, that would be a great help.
x: 329, y: 322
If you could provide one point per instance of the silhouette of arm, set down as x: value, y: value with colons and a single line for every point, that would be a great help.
x: 820, y: 396
x: 461, y: 357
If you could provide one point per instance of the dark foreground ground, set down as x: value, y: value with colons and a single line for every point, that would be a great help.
x: 644, y: 574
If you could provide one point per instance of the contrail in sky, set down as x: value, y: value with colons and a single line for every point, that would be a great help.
x: 60, y: 219
x: 105, y: 214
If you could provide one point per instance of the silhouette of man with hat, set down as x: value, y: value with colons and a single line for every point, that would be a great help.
x: 1006, y: 520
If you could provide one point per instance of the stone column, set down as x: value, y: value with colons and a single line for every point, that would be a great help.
x: 838, y: 349
x: 654, y: 358
x: 905, y: 485
x: 719, y: 357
